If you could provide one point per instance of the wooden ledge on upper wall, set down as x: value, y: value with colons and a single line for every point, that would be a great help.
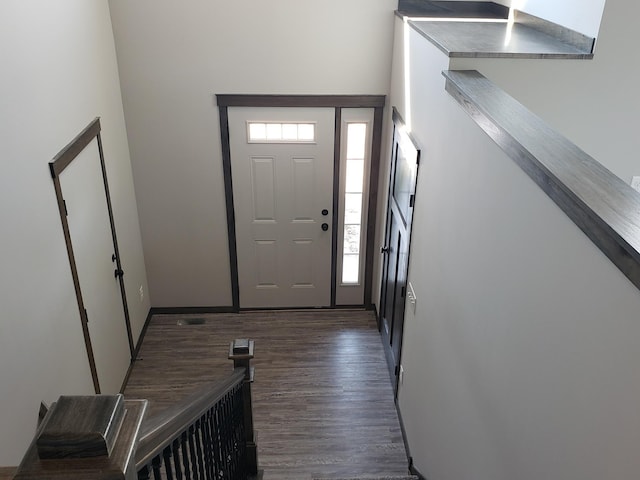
x: 605, y: 208
x: 452, y: 9
x: 526, y: 36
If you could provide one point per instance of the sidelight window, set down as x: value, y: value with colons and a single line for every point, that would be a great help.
x: 356, y: 139
x: 356, y: 132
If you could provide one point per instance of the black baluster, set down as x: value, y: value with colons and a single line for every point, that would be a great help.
x: 226, y: 431
x: 157, y: 463
x: 144, y: 473
x: 177, y: 467
x: 184, y: 448
x: 216, y: 446
x: 207, y: 438
x: 239, y: 432
x: 197, y: 474
x: 199, y: 436
x: 233, y: 446
x: 166, y: 453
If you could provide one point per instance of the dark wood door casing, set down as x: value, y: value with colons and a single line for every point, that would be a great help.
x: 403, y: 176
x: 338, y: 102
x: 57, y: 165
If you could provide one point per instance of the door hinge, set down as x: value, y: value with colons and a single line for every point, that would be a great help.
x: 86, y: 316
x: 395, y: 371
x: 64, y: 204
x: 403, y: 292
x: 411, y: 200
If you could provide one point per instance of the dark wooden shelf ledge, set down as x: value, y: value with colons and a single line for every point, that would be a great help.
x: 605, y: 208
x: 526, y: 36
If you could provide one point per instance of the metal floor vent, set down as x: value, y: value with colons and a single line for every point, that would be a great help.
x: 191, y: 321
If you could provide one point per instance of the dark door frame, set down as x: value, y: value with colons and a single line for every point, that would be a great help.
x: 338, y: 102
x: 394, y: 361
x: 57, y: 165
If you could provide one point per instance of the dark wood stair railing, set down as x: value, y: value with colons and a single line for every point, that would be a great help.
x: 209, y: 435
x: 200, y: 438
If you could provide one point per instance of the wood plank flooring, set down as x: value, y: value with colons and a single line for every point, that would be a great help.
x: 6, y: 473
x: 322, y: 398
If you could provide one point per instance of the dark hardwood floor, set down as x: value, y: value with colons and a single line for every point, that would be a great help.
x: 6, y: 473
x: 322, y: 398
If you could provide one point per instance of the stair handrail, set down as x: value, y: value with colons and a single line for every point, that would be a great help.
x: 210, y: 432
x: 161, y: 430
x: 206, y: 435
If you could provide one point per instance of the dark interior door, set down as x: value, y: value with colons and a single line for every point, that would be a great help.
x: 402, y: 188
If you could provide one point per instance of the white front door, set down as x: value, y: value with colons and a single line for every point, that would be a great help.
x: 283, y: 201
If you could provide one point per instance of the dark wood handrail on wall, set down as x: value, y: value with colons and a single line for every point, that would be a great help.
x: 209, y: 434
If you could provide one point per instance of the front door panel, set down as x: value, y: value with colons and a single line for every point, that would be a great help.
x: 280, y: 189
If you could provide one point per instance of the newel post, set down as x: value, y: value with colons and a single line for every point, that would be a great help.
x: 241, y: 352
x: 85, y: 437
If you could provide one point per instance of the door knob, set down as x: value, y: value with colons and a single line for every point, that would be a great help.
x: 325, y: 227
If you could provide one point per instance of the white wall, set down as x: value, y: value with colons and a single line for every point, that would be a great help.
x: 562, y: 92
x: 59, y: 73
x: 580, y: 15
x: 173, y: 58
x: 591, y: 102
x: 520, y: 361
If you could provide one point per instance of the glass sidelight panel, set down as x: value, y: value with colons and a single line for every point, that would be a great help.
x: 353, y: 202
x: 356, y: 129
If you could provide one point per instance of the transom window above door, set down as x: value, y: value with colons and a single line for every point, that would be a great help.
x: 280, y: 132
